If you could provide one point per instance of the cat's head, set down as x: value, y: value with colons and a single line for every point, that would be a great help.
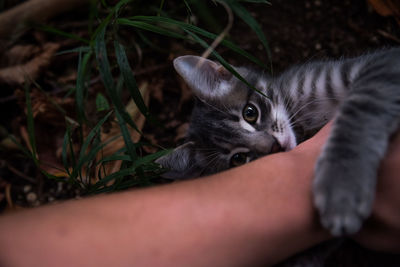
x: 231, y: 124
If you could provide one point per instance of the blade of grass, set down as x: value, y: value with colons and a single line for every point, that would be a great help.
x: 56, y: 31
x: 30, y: 124
x: 64, y: 152
x: 151, y: 28
x: 80, y: 85
x: 241, y: 12
x: 192, y: 28
x: 204, y: 13
x: 127, y: 137
x: 160, y: 8
x: 80, y: 49
x: 107, y: 78
x: 131, y: 170
x: 107, y: 20
x: 81, y: 158
x: 257, y: 1
x: 129, y: 79
x: 101, y: 102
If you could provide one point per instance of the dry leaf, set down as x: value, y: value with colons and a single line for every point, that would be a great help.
x: 387, y: 8
x: 31, y: 69
x: 18, y: 54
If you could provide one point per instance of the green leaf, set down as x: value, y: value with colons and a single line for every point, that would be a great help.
x: 80, y: 49
x: 107, y: 78
x: 30, y: 124
x: 257, y: 1
x: 80, y: 85
x: 192, y: 28
x: 139, y: 162
x: 64, y: 152
x: 101, y: 102
x: 151, y: 28
x: 53, y: 30
x: 127, y: 137
x: 82, y: 159
x: 241, y: 12
x: 129, y: 79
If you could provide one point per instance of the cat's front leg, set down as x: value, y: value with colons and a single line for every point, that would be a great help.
x: 345, y: 175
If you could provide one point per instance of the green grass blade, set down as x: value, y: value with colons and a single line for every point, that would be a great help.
x: 30, y: 124
x: 151, y: 28
x: 256, y: 1
x: 195, y: 29
x: 53, y: 30
x: 115, y: 175
x: 64, y: 152
x: 127, y: 137
x: 114, y: 158
x: 101, y: 102
x: 160, y: 8
x: 129, y: 79
x: 204, y: 12
x: 241, y: 12
x: 107, y: 78
x: 128, y: 171
x: 80, y: 85
x: 21, y: 147
x: 80, y: 49
x: 81, y: 158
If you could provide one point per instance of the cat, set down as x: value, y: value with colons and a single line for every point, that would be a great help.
x: 232, y: 124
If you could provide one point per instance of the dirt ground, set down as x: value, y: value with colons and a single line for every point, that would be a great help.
x: 297, y: 31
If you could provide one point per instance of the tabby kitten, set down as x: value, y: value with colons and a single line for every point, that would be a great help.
x: 232, y: 124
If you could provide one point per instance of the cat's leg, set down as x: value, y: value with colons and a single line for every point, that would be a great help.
x: 345, y: 174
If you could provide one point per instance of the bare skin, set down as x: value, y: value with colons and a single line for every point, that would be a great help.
x: 256, y: 214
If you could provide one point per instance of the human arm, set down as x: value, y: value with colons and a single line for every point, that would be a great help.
x: 258, y: 213
x: 382, y: 231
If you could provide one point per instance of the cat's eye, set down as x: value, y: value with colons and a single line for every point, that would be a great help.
x: 250, y: 113
x: 238, y: 159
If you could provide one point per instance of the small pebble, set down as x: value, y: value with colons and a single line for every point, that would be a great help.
x: 27, y: 188
x: 31, y: 197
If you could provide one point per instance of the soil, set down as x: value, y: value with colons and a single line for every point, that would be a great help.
x: 297, y: 31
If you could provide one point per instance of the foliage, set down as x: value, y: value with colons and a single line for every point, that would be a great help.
x: 146, y: 18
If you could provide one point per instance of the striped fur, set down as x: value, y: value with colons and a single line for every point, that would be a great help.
x: 362, y: 93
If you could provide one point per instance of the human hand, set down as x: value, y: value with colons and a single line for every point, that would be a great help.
x: 382, y: 230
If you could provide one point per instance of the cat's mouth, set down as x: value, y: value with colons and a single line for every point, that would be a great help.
x: 276, y: 147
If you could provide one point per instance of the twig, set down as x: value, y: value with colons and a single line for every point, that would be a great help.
x: 222, y: 35
x: 16, y: 19
x: 389, y: 36
x: 18, y: 173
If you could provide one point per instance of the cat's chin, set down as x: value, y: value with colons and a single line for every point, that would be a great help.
x: 288, y: 142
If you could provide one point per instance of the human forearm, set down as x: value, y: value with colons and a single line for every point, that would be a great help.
x: 260, y: 212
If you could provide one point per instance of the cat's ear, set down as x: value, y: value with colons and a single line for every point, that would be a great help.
x: 179, y: 163
x: 207, y: 78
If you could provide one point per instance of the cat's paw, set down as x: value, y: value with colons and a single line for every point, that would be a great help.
x: 343, y: 195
